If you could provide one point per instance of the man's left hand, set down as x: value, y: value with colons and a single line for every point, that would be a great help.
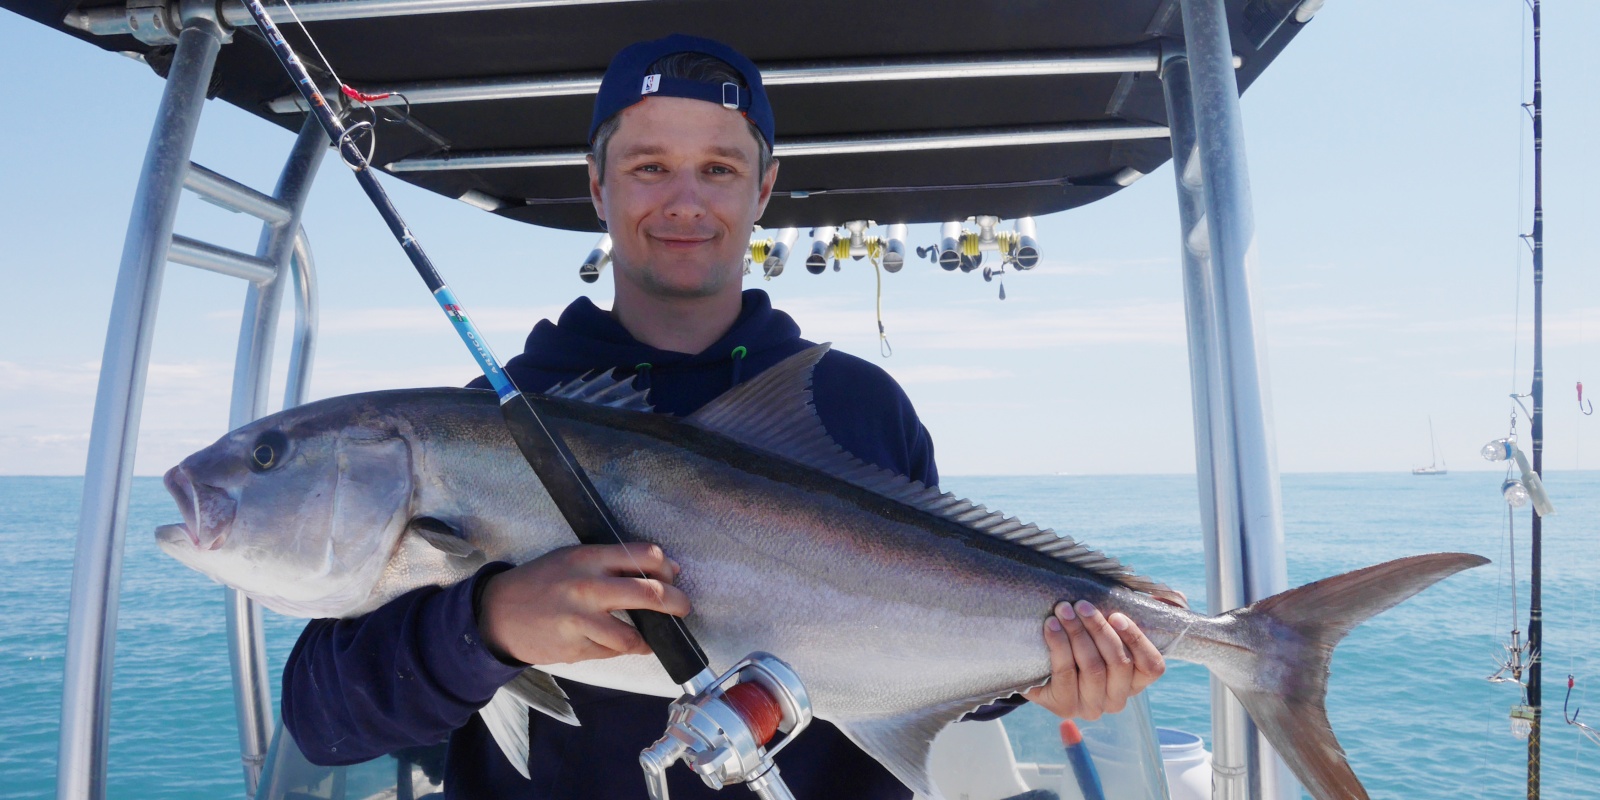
x: 1096, y: 662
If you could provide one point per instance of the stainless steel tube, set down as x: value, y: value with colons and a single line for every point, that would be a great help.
x: 1213, y: 426
x: 819, y: 146
x: 1089, y: 62
x: 234, y: 196
x: 112, y: 20
x: 97, y: 565
x: 1243, y: 458
x: 252, y: 689
x: 304, y: 348
x: 195, y: 253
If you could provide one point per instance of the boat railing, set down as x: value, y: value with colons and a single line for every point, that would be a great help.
x: 282, y: 257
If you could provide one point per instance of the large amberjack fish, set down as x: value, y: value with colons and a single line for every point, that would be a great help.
x: 901, y: 607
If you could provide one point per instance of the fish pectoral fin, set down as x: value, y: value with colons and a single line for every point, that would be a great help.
x: 539, y: 691
x: 901, y: 743
x: 444, y: 538
x: 506, y: 717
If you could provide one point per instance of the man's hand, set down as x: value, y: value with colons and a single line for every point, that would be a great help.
x: 1096, y: 662
x: 556, y: 609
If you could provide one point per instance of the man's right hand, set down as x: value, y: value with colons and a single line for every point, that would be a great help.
x: 556, y: 609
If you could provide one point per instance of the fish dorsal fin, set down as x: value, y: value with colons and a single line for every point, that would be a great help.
x: 604, y: 389
x: 773, y: 412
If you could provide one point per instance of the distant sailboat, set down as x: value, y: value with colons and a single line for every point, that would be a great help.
x: 1435, y: 467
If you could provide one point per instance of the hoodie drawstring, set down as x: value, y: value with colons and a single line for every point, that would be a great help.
x: 641, y: 379
x: 738, y: 355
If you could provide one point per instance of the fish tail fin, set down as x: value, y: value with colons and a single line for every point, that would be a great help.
x: 1307, y: 623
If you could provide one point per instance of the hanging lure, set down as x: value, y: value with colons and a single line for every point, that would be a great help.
x: 1585, y: 406
x: 1572, y: 718
x: 884, y: 349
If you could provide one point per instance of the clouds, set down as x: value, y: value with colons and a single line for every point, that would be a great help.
x: 988, y: 324
x: 427, y: 320
x: 46, y: 411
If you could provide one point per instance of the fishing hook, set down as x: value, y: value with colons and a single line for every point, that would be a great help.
x: 1572, y: 719
x: 1586, y: 406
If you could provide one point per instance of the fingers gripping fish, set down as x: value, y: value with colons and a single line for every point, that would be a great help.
x: 901, y: 607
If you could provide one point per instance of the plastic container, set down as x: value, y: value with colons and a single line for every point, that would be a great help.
x: 1187, y: 764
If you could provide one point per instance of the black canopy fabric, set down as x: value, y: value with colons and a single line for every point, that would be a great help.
x: 579, y: 38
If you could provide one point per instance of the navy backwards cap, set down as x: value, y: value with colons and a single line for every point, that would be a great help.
x: 628, y: 81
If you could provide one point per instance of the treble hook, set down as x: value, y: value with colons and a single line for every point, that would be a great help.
x: 1585, y: 406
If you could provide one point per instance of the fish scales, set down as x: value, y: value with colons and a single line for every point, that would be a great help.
x: 858, y: 577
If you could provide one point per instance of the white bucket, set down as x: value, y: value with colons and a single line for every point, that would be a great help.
x: 1187, y: 764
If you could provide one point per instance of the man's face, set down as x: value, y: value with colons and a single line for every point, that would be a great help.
x: 681, y: 191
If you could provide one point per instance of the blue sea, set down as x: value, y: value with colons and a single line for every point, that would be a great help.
x: 1408, y: 697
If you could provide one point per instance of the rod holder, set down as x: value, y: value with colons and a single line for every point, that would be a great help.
x: 597, y: 260
x: 821, y: 241
x: 894, y: 254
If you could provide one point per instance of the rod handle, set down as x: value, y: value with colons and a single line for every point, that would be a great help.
x: 593, y: 523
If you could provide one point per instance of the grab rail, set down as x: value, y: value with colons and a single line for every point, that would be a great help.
x: 148, y: 246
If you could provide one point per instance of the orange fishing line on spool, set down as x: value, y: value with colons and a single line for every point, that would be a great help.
x: 757, y: 707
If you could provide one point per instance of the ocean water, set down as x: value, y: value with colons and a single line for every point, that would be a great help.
x: 1408, y: 697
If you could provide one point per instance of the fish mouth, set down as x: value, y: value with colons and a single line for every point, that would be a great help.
x: 207, y: 511
x: 176, y: 537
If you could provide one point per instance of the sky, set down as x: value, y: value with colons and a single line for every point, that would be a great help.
x: 1390, y: 164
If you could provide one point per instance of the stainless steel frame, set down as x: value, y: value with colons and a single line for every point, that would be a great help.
x: 113, y: 20
x: 97, y: 568
x: 97, y: 565
x: 204, y: 255
x: 1089, y: 62
x: 818, y: 146
x: 252, y: 689
x: 1235, y: 454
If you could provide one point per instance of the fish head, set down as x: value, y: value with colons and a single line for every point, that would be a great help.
x: 302, y: 510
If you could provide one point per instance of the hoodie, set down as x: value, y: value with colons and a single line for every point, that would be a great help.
x: 415, y: 671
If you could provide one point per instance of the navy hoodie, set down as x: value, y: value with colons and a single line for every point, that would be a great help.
x: 415, y: 671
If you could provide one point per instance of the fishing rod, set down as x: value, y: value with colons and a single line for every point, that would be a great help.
x: 1535, y: 592
x: 722, y: 724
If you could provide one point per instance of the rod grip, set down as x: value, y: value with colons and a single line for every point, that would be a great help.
x: 593, y: 523
x: 674, y: 647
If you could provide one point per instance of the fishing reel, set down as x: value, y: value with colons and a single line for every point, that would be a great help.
x: 723, y: 729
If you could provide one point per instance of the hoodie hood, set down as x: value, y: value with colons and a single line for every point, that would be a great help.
x: 587, y: 338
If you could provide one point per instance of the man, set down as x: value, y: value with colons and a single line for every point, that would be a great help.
x: 681, y: 169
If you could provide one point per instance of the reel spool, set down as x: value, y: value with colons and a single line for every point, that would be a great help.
x: 722, y: 732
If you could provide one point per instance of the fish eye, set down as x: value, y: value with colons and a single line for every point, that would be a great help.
x: 268, y: 451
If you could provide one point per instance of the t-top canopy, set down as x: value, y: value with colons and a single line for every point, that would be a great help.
x: 895, y: 112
